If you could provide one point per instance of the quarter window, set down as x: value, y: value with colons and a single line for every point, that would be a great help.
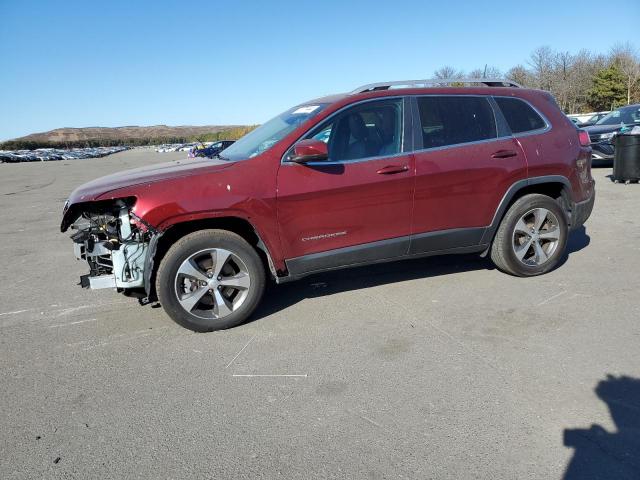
x: 373, y: 129
x: 449, y: 120
x: 519, y: 115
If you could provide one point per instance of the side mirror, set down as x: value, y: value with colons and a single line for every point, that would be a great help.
x: 309, y: 151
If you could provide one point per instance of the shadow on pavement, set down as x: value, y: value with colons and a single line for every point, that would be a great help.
x: 578, y: 239
x: 600, y: 454
x: 279, y: 297
x: 601, y: 163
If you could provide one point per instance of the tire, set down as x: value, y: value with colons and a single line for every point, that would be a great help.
x: 210, y: 280
x: 526, y: 244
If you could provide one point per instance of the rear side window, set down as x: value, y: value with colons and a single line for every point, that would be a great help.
x: 519, y: 115
x: 452, y: 120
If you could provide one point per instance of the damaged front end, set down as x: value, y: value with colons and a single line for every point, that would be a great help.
x: 113, y: 241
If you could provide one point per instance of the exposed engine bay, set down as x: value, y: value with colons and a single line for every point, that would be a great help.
x: 115, y: 244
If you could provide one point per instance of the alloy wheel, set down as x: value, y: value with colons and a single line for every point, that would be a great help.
x: 536, y: 237
x: 212, y: 283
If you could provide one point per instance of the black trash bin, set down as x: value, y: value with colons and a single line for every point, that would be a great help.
x: 626, y: 163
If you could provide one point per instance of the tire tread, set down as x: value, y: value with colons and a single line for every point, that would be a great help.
x: 501, y: 245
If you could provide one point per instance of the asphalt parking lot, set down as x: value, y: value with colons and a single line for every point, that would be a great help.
x: 436, y: 368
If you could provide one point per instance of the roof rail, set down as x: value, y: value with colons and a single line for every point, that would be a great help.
x: 436, y: 82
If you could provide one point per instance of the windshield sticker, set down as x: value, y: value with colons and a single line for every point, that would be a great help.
x: 307, y: 109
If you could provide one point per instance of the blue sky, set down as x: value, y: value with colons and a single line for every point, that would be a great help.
x: 112, y: 63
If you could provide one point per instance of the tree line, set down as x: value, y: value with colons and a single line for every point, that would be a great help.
x: 232, y: 133
x: 580, y: 82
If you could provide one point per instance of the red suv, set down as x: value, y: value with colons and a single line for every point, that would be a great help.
x: 390, y: 171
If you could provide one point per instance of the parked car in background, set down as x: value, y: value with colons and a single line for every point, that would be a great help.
x: 593, y: 120
x: 186, y: 147
x: 211, y: 150
x: 50, y: 154
x: 391, y: 171
x: 601, y: 134
x: 580, y: 118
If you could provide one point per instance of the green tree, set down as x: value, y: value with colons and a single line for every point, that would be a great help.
x: 609, y: 89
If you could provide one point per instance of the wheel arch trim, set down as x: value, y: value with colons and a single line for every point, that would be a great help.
x: 150, y: 260
x: 513, y: 190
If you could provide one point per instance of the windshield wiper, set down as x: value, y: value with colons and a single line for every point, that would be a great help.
x: 217, y: 155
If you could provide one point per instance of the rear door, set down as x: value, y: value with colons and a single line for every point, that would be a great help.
x: 466, y: 162
x: 360, y: 199
x: 546, y: 152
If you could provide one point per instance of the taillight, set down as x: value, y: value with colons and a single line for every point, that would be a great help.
x: 583, y: 136
x: 583, y: 162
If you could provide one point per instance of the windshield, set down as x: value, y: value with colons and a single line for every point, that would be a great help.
x: 268, y: 134
x: 622, y: 116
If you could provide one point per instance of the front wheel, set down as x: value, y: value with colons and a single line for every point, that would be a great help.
x: 210, y: 280
x: 531, y: 238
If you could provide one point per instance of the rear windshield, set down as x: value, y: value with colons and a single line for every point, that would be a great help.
x: 519, y: 115
x: 268, y: 134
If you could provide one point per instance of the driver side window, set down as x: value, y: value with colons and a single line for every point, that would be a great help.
x: 373, y: 129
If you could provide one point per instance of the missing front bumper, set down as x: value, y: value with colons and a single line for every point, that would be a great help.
x: 114, y: 261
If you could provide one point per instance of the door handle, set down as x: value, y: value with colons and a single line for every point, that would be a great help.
x: 391, y: 169
x: 504, y: 154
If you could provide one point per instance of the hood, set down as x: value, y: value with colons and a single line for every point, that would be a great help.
x: 598, y: 129
x: 95, y: 189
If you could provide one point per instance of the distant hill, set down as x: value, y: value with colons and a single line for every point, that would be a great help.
x: 130, y: 135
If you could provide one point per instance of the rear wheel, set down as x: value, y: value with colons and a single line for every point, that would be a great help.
x: 531, y: 238
x: 210, y: 280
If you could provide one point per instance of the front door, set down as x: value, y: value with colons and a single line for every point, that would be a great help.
x: 356, y: 206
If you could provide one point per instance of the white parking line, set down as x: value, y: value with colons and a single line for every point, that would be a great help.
x: 104, y: 344
x: 238, y: 354
x: 73, y: 323
x: 61, y: 311
x: 269, y: 375
x: 16, y: 311
x: 372, y: 422
x: 67, y: 311
x: 551, y: 298
x: 124, y: 338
